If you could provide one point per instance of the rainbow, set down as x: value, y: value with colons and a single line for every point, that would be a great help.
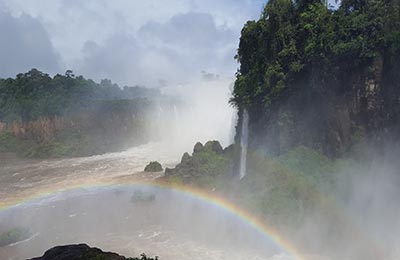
x: 268, y: 231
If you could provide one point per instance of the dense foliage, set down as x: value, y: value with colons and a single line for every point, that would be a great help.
x: 304, y: 59
x: 292, y: 41
x: 153, y: 167
x: 35, y: 94
x: 65, y: 115
x: 207, y: 164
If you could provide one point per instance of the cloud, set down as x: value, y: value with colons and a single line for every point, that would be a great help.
x: 189, y: 30
x: 111, y: 59
x: 174, y: 51
x: 25, y: 44
x: 142, y: 42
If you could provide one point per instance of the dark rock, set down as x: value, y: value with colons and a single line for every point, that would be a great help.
x: 168, y: 171
x: 213, y: 146
x: 153, y: 167
x: 185, y: 158
x: 78, y: 252
x: 198, y: 147
x: 229, y: 149
x: 207, y: 163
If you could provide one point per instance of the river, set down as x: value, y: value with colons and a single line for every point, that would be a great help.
x: 173, y: 226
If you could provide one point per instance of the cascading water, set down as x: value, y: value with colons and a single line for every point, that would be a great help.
x: 160, y: 111
x: 243, y: 143
x: 176, y: 115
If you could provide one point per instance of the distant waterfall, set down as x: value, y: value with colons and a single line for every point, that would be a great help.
x: 160, y: 111
x: 176, y: 116
x: 243, y: 143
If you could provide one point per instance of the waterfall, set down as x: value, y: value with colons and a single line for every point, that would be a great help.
x: 243, y: 143
x: 160, y: 111
x: 176, y: 115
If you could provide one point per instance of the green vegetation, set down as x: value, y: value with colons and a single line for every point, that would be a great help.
x: 64, y: 115
x: 34, y: 95
x: 294, y: 39
x: 14, y: 235
x: 101, y: 256
x: 282, y: 189
x: 153, y: 167
x: 144, y: 257
x: 286, y: 188
x: 312, y: 75
x: 10, y: 143
x: 207, y: 164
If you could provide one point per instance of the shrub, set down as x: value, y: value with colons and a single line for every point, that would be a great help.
x: 153, y: 167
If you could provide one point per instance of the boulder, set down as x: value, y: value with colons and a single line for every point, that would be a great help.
x: 168, y: 171
x: 213, y: 146
x: 78, y: 252
x: 185, y: 158
x: 198, y: 147
x: 153, y: 167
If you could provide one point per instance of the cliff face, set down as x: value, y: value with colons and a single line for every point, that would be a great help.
x: 322, y: 78
x: 99, y: 127
x: 67, y: 116
x: 330, y: 120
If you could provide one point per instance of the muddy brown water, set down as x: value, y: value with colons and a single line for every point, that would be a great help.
x: 172, y: 226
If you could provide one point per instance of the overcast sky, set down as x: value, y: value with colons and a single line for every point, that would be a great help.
x: 147, y: 42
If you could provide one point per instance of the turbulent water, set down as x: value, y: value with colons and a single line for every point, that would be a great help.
x: 172, y: 226
x: 24, y: 178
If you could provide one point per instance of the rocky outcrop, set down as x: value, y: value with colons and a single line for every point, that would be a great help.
x: 153, y: 167
x: 83, y: 252
x: 78, y: 252
x: 331, y: 119
x: 207, y: 162
x: 317, y: 77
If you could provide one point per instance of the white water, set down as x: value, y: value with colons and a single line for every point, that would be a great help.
x: 243, y: 143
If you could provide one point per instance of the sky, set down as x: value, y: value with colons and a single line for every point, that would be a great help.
x: 149, y: 42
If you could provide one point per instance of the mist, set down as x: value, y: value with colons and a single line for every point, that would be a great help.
x: 205, y: 113
x: 194, y: 133
x: 357, y: 217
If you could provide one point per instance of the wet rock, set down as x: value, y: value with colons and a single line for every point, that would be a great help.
x: 185, y: 158
x: 207, y: 163
x: 168, y: 171
x: 78, y: 252
x: 153, y: 167
x: 214, y: 146
x: 198, y: 147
